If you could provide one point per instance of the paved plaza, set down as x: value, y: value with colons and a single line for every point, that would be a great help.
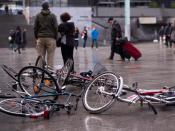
x: 155, y: 69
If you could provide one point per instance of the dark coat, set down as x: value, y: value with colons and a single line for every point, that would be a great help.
x: 168, y: 30
x: 85, y: 33
x: 116, y: 31
x: 76, y: 35
x: 161, y: 31
x: 67, y: 30
x: 24, y: 39
x: 18, y: 37
x: 45, y: 25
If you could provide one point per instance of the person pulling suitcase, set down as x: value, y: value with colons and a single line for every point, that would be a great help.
x: 116, y: 33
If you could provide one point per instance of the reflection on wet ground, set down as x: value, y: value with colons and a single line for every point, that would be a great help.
x: 156, y: 68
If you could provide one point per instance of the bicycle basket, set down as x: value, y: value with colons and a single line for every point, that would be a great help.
x: 98, y: 69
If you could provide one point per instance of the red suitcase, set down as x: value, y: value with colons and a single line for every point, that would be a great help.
x: 131, y: 50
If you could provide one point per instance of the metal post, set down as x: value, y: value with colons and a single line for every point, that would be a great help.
x: 24, y: 4
x: 127, y: 19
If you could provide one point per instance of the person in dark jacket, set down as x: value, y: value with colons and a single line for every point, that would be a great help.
x: 76, y: 37
x: 84, y: 36
x: 45, y: 31
x: 172, y: 39
x: 161, y: 34
x: 24, y: 39
x: 6, y: 9
x: 167, y: 32
x: 116, y: 33
x: 67, y: 29
x: 18, y: 39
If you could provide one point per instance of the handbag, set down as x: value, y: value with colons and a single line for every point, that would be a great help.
x: 58, y: 42
x: 59, y: 38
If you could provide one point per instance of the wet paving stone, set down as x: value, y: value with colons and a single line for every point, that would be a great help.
x: 155, y: 69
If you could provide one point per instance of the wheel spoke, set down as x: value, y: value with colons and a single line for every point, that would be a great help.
x: 22, y: 107
x: 100, y: 92
x: 37, y: 82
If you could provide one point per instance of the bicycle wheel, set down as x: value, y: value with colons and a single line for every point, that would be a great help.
x: 40, y: 62
x: 23, y: 107
x: 172, y: 89
x: 168, y: 94
x: 101, y: 92
x: 35, y: 81
x: 11, y: 72
x: 64, y: 72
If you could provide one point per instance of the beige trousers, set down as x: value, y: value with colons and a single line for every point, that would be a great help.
x: 46, y: 48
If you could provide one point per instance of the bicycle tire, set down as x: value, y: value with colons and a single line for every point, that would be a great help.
x: 35, y: 81
x: 64, y: 72
x: 172, y: 89
x: 23, y: 107
x: 108, y: 82
x: 7, y: 95
x: 40, y: 62
x: 11, y: 72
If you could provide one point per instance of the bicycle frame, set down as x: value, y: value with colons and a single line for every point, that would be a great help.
x: 52, y: 105
x: 74, y: 78
x: 149, y: 97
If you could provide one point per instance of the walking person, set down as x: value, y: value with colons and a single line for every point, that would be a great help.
x: 24, y: 39
x: 172, y: 39
x: 18, y: 39
x: 168, y: 30
x: 84, y: 36
x: 76, y: 37
x: 161, y: 34
x: 116, y: 34
x: 94, y: 35
x: 6, y: 8
x: 45, y: 31
x: 67, y: 29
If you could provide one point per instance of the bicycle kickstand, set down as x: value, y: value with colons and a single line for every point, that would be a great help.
x: 77, y: 101
x: 153, y: 108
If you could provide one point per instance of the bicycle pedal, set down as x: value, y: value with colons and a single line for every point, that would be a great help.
x: 15, y: 86
x: 69, y: 107
x: 63, y: 87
